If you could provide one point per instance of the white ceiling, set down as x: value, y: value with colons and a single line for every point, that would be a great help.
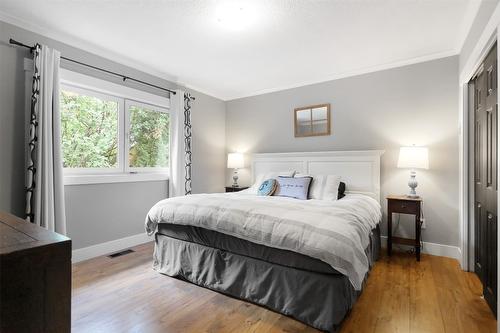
x: 282, y: 43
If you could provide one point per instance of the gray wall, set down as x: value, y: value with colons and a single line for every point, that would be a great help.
x: 102, y: 212
x: 414, y: 104
x: 11, y: 129
x: 482, y: 17
x: 98, y: 213
x: 209, y: 144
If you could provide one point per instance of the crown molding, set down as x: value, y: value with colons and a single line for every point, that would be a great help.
x: 357, y: 72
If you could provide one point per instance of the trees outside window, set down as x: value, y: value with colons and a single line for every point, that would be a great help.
x: 89, y: 128
x: 104, y: 133
x: 148, y: 137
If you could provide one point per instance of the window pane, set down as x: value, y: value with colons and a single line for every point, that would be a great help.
x: 89, y: 131
x: 319, y: 113
x: 149, y: 138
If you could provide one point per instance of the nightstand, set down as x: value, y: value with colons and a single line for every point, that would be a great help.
x: 235, y: 189
x: 404, y: 205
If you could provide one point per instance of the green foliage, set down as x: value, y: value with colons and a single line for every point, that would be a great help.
x: 90, y: 134
x: 149, y: 138
x: 89, y: 131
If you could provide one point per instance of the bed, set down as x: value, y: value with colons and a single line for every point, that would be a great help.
x: 307, y: 259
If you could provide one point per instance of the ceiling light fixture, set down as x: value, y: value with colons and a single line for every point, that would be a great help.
x: 235, y: 15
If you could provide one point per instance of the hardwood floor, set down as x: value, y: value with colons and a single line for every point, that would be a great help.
x: 125, y: 295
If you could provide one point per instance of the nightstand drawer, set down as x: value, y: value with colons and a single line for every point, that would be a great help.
x: 404, y: 207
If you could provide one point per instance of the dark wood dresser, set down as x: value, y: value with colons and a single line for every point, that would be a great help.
x: 35, y: 278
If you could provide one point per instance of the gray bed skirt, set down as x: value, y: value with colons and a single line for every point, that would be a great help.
x: 317, y: 299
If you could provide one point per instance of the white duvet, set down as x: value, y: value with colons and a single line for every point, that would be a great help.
x: 336, y: 232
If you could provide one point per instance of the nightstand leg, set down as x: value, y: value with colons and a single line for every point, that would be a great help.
x: 389, y: 233
x: 417, y: 235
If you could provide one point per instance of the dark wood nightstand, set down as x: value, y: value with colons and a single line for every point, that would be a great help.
x: 235, y: 189
x: 404, y: 205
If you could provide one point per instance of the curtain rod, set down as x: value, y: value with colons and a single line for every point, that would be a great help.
x: 124, y: 77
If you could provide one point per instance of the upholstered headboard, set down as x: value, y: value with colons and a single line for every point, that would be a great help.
x: 360, y: 170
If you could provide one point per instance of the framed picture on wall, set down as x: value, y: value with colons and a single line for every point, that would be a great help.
x: 313, y: 120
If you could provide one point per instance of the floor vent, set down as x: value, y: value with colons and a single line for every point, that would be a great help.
x: 121, y: 253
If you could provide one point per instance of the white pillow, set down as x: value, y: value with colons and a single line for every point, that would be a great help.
x: 268, y: 175
x: 323, y: 187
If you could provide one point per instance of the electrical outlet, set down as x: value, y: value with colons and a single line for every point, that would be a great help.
x: 424, y: 225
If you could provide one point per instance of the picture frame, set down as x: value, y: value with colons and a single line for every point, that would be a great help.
x: 312, y: 120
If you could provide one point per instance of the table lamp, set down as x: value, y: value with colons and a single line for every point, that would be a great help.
x: 413, y: 158
x: 235, y: 161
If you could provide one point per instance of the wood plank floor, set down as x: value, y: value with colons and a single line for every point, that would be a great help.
x: 125, y: 295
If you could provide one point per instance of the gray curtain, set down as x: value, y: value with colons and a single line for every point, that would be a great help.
x: 45, y: 188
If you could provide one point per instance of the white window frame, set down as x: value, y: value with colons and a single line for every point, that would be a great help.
x: 120, y: 130
x: 88, y: 85
x: 128, y: 169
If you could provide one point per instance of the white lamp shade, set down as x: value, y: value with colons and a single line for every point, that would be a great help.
x: 235, y: 161
x: 413, y: 158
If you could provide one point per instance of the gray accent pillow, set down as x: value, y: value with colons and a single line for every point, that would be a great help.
x: 297, y: 188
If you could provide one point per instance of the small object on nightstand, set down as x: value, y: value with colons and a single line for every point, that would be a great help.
x: 235, y: 161
x: 404, y: 205
x: 235, y: 189
x: 413, y: 158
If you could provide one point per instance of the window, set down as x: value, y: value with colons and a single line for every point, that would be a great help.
x: 148, y: 136
x: 113, y: 134
x: 89, y: 130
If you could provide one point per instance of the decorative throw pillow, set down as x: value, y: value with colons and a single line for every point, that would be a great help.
x: 263, y: 176
x: 341, y: 193
x: 291, y: 187
x: 268, y: 187
x: 324, y: 187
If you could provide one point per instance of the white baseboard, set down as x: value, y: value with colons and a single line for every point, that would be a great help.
x: 123, y: 243
x: 109, y: 247
x: 434, y: 249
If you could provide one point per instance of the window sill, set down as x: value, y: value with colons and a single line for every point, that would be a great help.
x: 113, y: 178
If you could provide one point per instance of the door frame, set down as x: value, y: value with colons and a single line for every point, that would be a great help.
x: 469, y: 251
x: 489, y: 36
x: 468, y: 164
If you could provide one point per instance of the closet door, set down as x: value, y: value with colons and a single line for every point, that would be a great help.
x: 491, y: 188
x: 485, y: 176
x: 479, y: 175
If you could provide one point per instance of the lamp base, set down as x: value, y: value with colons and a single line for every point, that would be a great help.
x: 235, y: 178
x: 412, y: 183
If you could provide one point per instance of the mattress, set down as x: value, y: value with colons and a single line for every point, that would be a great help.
x: 246, y: 248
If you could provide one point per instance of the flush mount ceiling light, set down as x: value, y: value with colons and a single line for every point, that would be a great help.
x: 235, y: 15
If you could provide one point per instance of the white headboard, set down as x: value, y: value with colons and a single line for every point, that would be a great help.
x: 360, y: 170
